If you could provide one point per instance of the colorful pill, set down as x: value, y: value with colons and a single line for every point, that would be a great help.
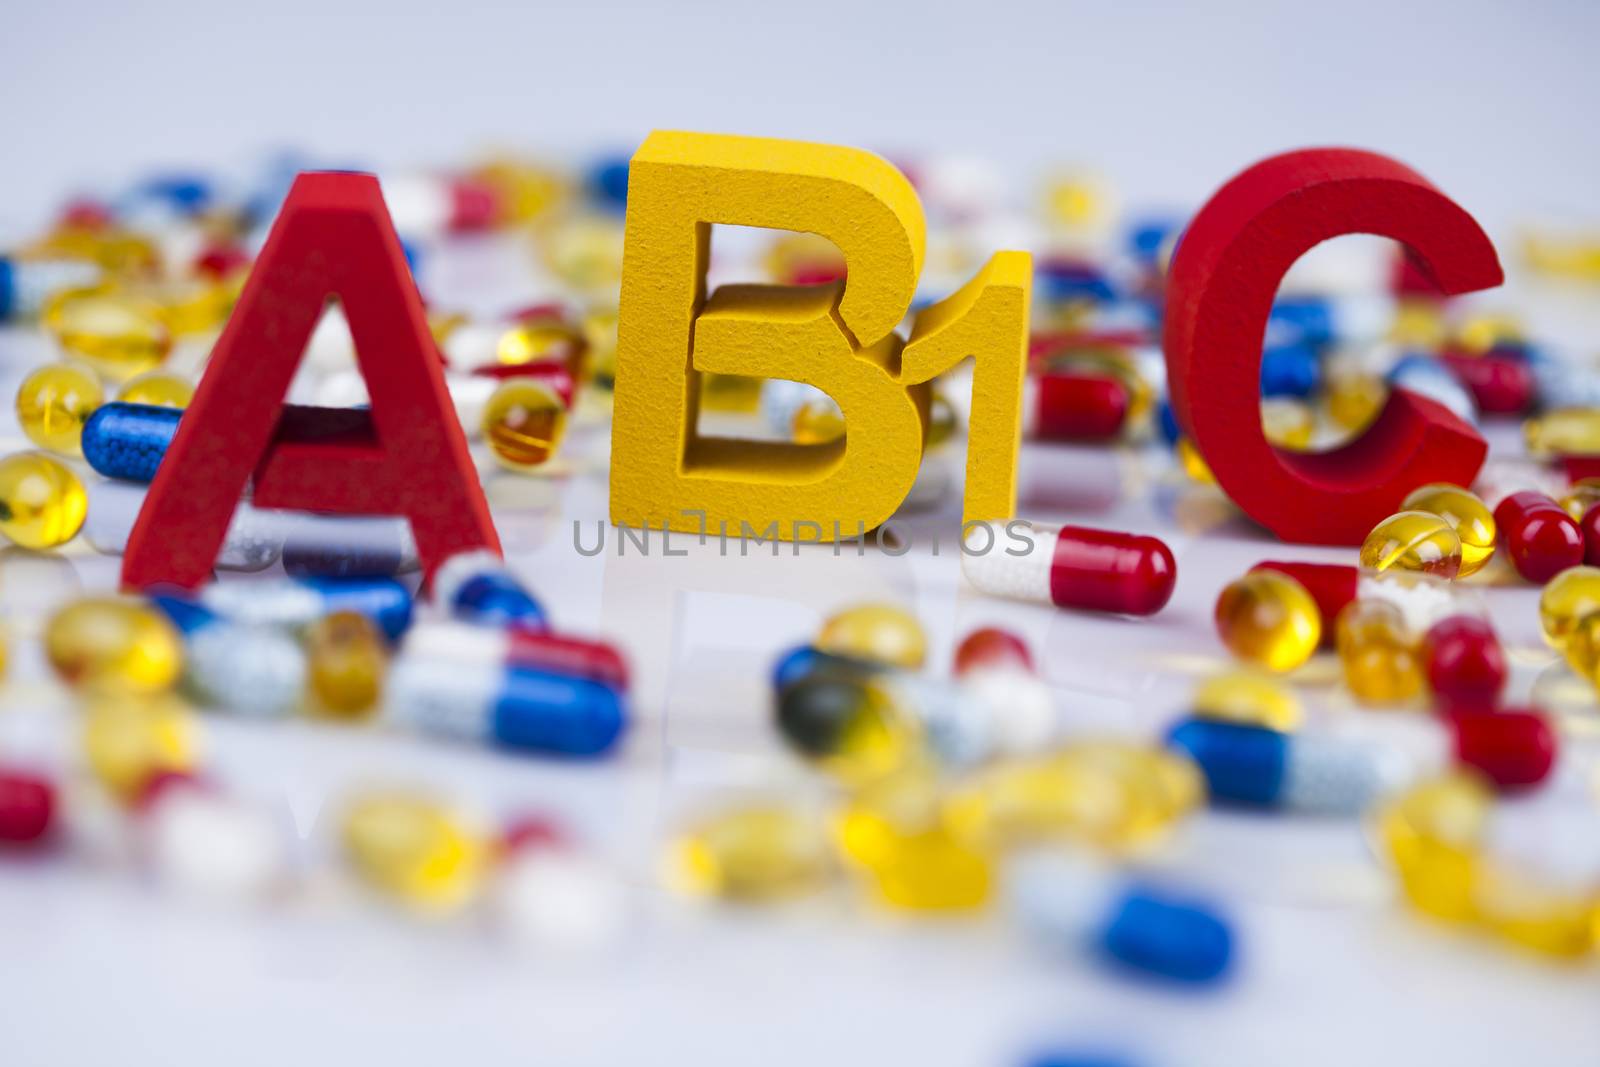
x: 1258, y: 767
x: 1064, y: 406
x: 479, y: 588
x: 516, y: 707
x: 348, y: 546
x: 519, y: 647
x: 1590, y: 527
x: 1499, y: 384
x: 1465, y: 663
x: 1079, y: 904
x: 53, y: 403
x: 1269, y: 619
x: 127, y: 441
x: 1468, y: 515
x: 1540, y: 538
x: 27, y: 807
x: 428, y: 205
x: 253, y: 669
x: 992, y: 648
x: 1289, y: 370
x: 1070, y: 567
x: 42, y: 502
x: 1331, y: 585
x: 297, y: 602
x: 1513, y: 749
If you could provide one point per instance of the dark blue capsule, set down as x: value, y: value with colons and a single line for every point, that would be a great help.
x: 804, y: 660
x: 1183, y: 940
x: 1308, y: 318
x: 1290, y: 370
x: 385, y: 601
x: 8, y: 288
x: 608, y: 182
x: 495, y: 598
x: 1242, y: 764
x: 1074, y: 281
x: 127, y: 441
x: 549, y: 712
x: 1146, y: 236
x: 1168, y: 419
x: 188, y: 615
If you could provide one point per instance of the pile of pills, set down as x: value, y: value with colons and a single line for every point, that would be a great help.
x: 1372, y: 687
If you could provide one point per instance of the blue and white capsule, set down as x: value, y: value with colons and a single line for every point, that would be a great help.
x: 515, y: 707
x: 27, y: 284
x: 1082, y: 905
x: 294, y: 603
x: 479, y: 588
x: 1322, y: 320
x: 1257, y: 767
x: 348, y: 546
x: 128, y: 441
x: 247, y: 668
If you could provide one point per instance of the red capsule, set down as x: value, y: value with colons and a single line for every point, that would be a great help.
x: 554, y: 375
x: 474, y: 205
x: 27, y: 806
x: 1513, y: 749
x: 992, y: 647
x: 1465, y: 663
x: 1589, y: 526
x: 1074, y: 406
x: 221, y: 259
x: 1540, y: 538
x: 1501, y: 385
x: 531, y: 832
x: 1332, y: 585
x: 1103, y: 570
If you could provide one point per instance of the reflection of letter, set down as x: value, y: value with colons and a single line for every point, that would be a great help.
x: 838, y: 338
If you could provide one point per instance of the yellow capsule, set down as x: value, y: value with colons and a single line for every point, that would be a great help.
x: 120, y: 252
x: 882, y: 633
x: 114, y: 645
x: 42, y: 502
x: 1484, y: 333
x: 128, y: 741
x: 1248, y: 698
x: 523, y: 423
x: 1354, y: 400
x: 118, y: 334
x: 1418, y: 324
x: 1077, y: 201
x: 160, y: 388
x: 346, y: 659
x: 1467, y: 515
x: 193, y: 305
x: 1381, y: 659
x: 1416, y: 541
x: 415, y: 849
x: 816, y: 422
x: 1551, y: 920
x: 527, y: 190
x: 1570, y: 257
x: 600, y: 332
x: 1287, y: 422
x: 1565, y: 431
x: 942, y: 420
x: 735, y: 393
x: 545, y: 339
x: 896, y: 833
x: 1581, y: 648
x: 803, y: 258
x: 752, y: 855
x: 851, y: 727
x: 1432, y: 834
x: 585, y: 252
x: 1115, y: 795
x: 1193, y: 463
x: 1582, y: 495
x: 1567, y: 598
x: 53, y: 403
x: 1269, y: 619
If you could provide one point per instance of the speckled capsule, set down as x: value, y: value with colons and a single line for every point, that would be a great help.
x: 296, y: 602
x: 127, y: 441
x: 251, y: 669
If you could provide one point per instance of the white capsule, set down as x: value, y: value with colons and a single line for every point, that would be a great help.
x: 207, y: 845
x: 1022, y: 716
x: 556, y: 899
x: 254, y: 540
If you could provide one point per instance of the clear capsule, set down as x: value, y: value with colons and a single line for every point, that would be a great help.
x: 1413, y: 541
x: 127, y: 441
x: 54, y: 402
x: 158, y: 389
x: 1566, y: 599
x: 42, y: 502
x: 118, y: 334
x: 1381, y: 659
x: 1469, y: 516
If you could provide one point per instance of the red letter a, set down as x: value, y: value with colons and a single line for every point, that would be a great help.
x: 406, y: 456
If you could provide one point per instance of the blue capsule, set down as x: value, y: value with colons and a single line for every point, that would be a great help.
x: 297, y: 602
x: 1242, y: 764
x: 608, y: 182
x: 804, y: 660
x: 1146, y: 236
x: 1069, y: 280
x: 1290, y: 370
x: 1157, y: 934
x: 1167, y: 419
x: 8, y: 288
x: 127, y: 441
x: 255, y: 670
x: 479, y: 588
x: 1310, y: 318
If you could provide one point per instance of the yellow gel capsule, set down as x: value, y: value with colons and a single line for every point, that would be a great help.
x: 415, y: 849
x: 1287, y: 423
x: 194, y: 305
x: 42, y: 502
x: 732, y: 393
x: 545, y: 339
x: 895, y: 832
x: 159, y: 388
x: 130, y: 741
x: 1117, y: 796
x: 752, y: 855
x: 1354, y: 400
x: 816, y: 422
x: 120, y: 252
x: 523, y: 423
x: 1193, y: 463
x: 882, y: 633
x: 114, y: 645
x: 346, y: 659
x: 1381, y: 659
x: 1550, y: 920
x: 1565, y: 431
x: 1077, y: 201
x: 526, y: 189
x: 942, y: 420
x: 600, y: 333
x: 53, y: 403
x: 1269, y: 619
x: 585, y: 252
x: 1416, y: 541
x: 1581, y: 648
x: 1248, y: 698
x: 1467, y: 515
x: 1483, y: 333
x: 1418, y: 324
x: 1567, y: 598
x: 117, y: 334
x: 1432, y: 834
x: 1582, y: 495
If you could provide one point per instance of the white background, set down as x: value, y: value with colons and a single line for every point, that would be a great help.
x: 1493, y: 103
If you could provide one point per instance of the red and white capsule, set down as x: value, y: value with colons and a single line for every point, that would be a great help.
x: 516, y: 646
x: 1069, y: 566
x: 1073, y: 406
x: 428, y: 205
